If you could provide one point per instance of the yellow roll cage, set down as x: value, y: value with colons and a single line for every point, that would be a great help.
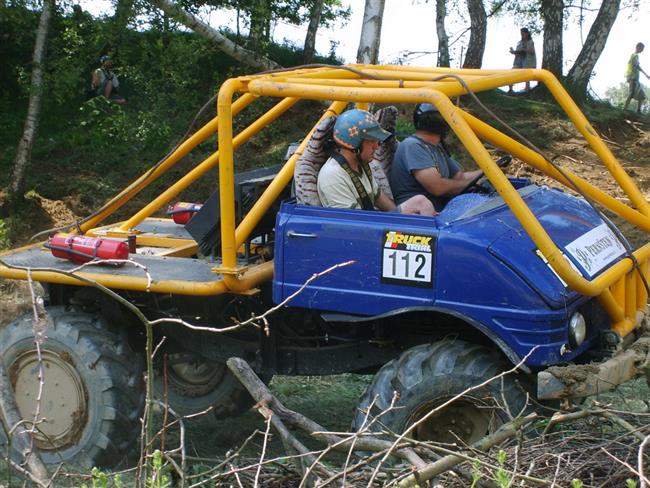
x: 620, y: 289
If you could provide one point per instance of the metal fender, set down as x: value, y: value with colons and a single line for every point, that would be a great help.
x: 495, y: 339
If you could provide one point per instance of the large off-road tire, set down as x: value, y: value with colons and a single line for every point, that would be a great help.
x: 194, y: 385
x: 93, y: 391
x: 428, y: 375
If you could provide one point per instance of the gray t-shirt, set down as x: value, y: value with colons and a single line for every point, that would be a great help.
x: 412, y: 154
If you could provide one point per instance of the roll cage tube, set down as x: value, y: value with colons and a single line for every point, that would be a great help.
x: 621, y: 291
x: 634, y: 297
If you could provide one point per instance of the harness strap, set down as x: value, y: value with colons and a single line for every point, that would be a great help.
x: 364, y: 200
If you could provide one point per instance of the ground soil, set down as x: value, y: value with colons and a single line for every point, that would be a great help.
x: 332, y: 400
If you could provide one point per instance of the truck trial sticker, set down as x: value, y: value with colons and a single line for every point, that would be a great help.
x: 596, y: 249
x: 407, y: 259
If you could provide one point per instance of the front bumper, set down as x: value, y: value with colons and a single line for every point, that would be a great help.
x: 579, y: 381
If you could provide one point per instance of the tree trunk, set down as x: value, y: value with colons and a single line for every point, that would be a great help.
x: 260, y: 21
x: 553, y: 16
x: 580, y: 72
x: 244, y: 56
x: 310, y: 39
x: 443, y: 40
x: 120, y: 21
x: 368, y: 52
x: 478, y: 33
x: 255, y: 33
x: 24, y: 150
x: 238, y: 17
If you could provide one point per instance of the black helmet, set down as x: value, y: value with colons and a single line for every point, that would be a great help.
x: 426, y: 117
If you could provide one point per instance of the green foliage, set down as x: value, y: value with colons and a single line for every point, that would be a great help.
x: 99, y: 479
x: 630, y: 483
x: 106, y: 125
x: 4, y: 235
x: 501, y: 475
x: 616, y: 95
x: 166, y: 75
x: 476, y: 473
x: 291, y: 11
x: 575, y: 483
x: 158, y: 478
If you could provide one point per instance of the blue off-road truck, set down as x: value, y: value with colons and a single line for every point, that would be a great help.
x: 515, y: 274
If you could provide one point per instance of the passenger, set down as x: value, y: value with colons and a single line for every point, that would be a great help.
x: 346, y: 180
x: 422, y: 164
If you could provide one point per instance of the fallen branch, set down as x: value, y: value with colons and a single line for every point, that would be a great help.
x: 559, y: 417
x: 260, y: 393
x: 640, y: 461
x: 443, y: 405
x: 448, y: 462
x: 622, y: 423
x: 19, y: 437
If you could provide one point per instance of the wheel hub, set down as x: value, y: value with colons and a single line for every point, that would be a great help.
x: 195, y: 378
x: 62, y: 409
x: 465, y: 420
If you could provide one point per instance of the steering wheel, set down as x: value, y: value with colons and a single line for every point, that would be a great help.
x: 473, y: 185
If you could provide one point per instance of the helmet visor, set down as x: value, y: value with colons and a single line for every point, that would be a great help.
x: 377, y: 134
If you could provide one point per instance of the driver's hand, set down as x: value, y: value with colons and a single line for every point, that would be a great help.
x: 483, y: 186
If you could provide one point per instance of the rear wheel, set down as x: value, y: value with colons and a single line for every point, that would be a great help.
x: 195, y: 384
x: 92, y: 395
x: 427, y: 376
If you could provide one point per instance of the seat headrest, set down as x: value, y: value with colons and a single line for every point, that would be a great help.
x: 305, y: 174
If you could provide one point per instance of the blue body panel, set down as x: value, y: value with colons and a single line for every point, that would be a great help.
x: 473, y: 260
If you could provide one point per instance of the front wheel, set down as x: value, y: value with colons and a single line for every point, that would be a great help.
x: 427, y: 376
x: 92, y: 395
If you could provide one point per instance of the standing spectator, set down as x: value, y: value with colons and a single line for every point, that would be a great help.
x: 525, y: 57
x: 105, y: 82
x: 632, y: 76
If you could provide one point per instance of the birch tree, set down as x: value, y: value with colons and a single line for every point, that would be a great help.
x: 368, y: 52
x: 24, y: 150
x: 310, y: 40
x: 244, y: 56
x: 580, y: 72
x: 552, y: 12
x: 478, y: 34
x: 443, y: 40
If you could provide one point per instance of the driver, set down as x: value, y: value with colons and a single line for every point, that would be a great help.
x: 422, y: 164
x: 346, y: 180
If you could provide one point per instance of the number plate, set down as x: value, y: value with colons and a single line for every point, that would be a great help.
x: 407, y: 259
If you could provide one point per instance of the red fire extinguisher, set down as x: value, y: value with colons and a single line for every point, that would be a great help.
x: 81, y: 249
x: 182, y: 212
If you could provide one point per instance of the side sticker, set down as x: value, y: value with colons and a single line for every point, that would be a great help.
x: 407, y: 259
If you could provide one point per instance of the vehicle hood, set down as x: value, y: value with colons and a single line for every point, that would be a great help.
x: 575, y: 227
